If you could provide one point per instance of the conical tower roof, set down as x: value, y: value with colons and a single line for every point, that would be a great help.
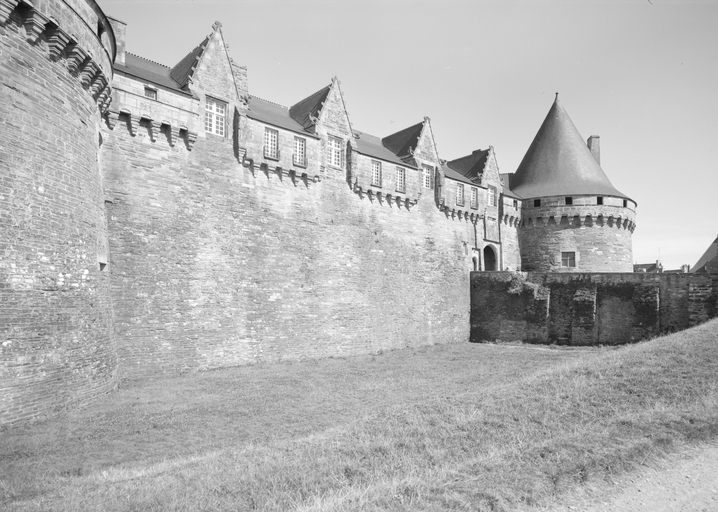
x: 559, y: 163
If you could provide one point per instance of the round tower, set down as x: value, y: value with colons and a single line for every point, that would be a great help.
x: 56, y: 346
x: 573, y: 218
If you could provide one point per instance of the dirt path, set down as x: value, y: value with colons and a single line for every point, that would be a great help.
x: 686, y: 482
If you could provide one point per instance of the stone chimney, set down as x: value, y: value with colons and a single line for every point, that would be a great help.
x: 119, y: 27
x: 594, y: 144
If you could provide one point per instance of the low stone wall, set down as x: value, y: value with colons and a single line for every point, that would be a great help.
x: 587, y: 308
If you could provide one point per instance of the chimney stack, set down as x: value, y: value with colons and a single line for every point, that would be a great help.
x: 594, y: 144
x: 119, y: 27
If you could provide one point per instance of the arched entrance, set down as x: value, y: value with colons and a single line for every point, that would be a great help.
x: 489, y: 258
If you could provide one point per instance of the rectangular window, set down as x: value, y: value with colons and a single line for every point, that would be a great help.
x: 214, y: 116
x: 537, y: 203
x: 599, y: 200
x: 459, y: 194
x: 474, y: 197
x: 427, y: 172
x: 568, y: 259
x: 335, y: 155
x: 271, y: 143
x: 400, y: 179
x: 150, y: 93
x: 376, y: 173
x: 625, y: 203
x: 492, y: 196
x: 569, y: 200
x: 516, y: 203
x: 300, y: 152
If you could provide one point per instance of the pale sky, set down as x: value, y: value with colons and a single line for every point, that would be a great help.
x: 641, y: 74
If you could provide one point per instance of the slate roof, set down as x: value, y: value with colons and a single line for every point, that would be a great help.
x: 647, y: 267
x: 558, y: 163
x: 274, y: 114
x: 452, y: 174
x: 148, y: 71
x: 309, y: 107
x: 183, y: 70
x: 371, y: 145
x: 400, y: 142
x: 708, y: 263
x: 470, y: 166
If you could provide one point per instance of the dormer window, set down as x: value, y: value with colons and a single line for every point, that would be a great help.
x: 335, y: 152
x: 376, y: 173
x: 214, y: 116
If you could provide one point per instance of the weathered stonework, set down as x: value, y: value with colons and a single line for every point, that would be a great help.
x: 588, y: 309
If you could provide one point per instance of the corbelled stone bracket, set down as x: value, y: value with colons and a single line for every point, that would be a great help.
x: 7, y: 7
x: 35, y: 25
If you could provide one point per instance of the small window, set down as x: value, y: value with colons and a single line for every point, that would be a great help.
x: 300, y: 152
x: 625, y: 203
x: 400, y: 179
x: 427, y: 172
x: 214, y: 116
x: 568, y: 259
x: 474, y: 197
x: 335, y: 152
x: 459, y: 194
x: 150, y: 93
x: 537, y: 203
x: 375, y: 173
x: 271, y: 143
x: 599, y: 200
x: 492, y: 196
x: 569, y: 200
x: 516, y: 203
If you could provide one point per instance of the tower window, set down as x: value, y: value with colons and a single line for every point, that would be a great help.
x: 599, y: 200
x: 625, y: 203
x: 537, y: 203
x: 568, y: 259
x: 569, y: 200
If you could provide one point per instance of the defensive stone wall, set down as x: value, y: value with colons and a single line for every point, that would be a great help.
x: 56, y: 346
x: 587, y: 309
x: 598, y: 235
x: 215, y: 265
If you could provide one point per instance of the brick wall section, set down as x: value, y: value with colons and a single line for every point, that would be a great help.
x: 586, y: 309
x: 56, y: 349
x: 601, y: 242
x: 216, y: 266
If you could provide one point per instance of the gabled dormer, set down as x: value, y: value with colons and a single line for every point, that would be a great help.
x: 324, y: 113
x: 209, y: 73
x: 472, y: 185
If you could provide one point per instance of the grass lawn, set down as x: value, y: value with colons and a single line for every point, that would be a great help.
x: 447, y: 427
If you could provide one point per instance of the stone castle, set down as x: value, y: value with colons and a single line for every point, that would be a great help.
x: 158, y: 220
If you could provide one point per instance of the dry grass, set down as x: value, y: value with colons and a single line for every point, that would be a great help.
x: 470, y: 427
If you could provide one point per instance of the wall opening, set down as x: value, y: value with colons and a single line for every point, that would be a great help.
x: 475, y: 262
x: 489, y: 258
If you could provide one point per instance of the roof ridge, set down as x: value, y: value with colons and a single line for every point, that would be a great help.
x: 148, y: 60
x: 272, y: 102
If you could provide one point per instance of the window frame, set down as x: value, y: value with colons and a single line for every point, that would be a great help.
x: 335, y: 152
x: 474, y: 199
x: 153, y: 94
x: 299, y: 157
x: 427, y: 176
x: 271, y: 143
x: 376, y: 173
x: 212, y: 116
x: 400, y: 179
x: 567, y: 258
x: 459, y: 194
x: 493, y: 193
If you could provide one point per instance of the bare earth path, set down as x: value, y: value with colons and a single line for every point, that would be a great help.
x: 685, y: 482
